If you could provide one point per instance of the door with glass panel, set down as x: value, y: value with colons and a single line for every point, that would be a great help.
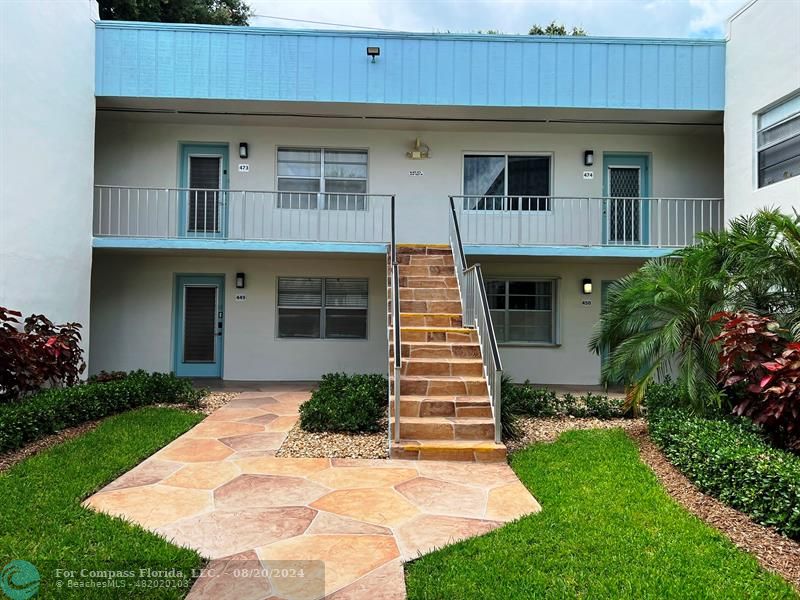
x: 199, y: 320
x: 625, y: 208
x: 204, y: 177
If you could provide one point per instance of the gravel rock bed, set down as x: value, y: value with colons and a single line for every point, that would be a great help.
x: 773, y: 551
x: 306, y: 444
x: 207, y: 405
x: 547, y: 429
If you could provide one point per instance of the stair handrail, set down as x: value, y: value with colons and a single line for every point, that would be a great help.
x: 396, y: 329
x: 476, y: 314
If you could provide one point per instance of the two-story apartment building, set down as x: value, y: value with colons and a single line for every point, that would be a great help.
x: 218, y: 201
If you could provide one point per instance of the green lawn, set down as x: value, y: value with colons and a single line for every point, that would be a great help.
x: 41, y: 520
x: 607, y: 530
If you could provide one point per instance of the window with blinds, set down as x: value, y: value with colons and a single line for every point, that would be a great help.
x: 778, y: 142
x: 523, y: 311
x: 322, y: 308
x: 310, y: 178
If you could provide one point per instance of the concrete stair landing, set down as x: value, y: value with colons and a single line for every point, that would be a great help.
x: 445, y: 412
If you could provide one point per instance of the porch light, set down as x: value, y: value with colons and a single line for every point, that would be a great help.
x: 588, y: 158
x: 373, y: 52
x: 239, y: 281
x: 243, y: 151
x: 587, y: 286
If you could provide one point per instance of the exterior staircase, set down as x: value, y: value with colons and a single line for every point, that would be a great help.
x: 445, y: 410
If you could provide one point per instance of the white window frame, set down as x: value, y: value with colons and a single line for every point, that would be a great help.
x: 321, y: 195
x: 795, y: 115
x: 555, y: 318
x: 506, y: 154
x: 322, y: 311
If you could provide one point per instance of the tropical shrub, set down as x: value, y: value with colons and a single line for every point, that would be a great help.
x: 36, y: 353
x: 658, y: 319
x: 346, y: 403
x: 52, y: 410
x: 511, y: 409
x: 761, y: 369
x: 532, y: 401
x: 663, y: 394
x: 732, y: 462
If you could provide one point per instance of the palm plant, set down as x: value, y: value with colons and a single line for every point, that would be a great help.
x: 657, y: 321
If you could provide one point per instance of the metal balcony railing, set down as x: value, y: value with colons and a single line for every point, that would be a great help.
x: 587, y: 221
x: 179, y: 213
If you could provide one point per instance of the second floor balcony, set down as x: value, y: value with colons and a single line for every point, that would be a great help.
x: 489, y: 224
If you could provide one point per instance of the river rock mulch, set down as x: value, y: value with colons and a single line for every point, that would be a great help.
x: 307, y: 444
x: 773, y: 551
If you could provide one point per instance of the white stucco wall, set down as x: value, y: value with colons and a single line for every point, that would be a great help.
x: 47, y: 114
x: 570, y: 362
x: 132, y: 315
x: 143, y: 153
x: 133, y: 300
x: 762, y: 67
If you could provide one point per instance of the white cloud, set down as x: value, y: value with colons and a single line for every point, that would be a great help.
x: 657, y: 18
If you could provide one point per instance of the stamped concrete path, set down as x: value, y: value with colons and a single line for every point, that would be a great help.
x: 297, y: 528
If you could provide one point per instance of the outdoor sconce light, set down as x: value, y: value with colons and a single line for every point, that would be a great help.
x: 243, y: 150
x: 239, y: 281
x: 373, y: 52
x: 587, y: 286
x: 588, y: 158
x: 419, y: 151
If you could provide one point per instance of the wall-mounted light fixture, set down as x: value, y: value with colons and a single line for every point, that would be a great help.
x: 419, y: 151
x: 240, y: 281
x: 588, y: 158
x: 243, y: 150
x: 373, y: 52
x: 586, y: 284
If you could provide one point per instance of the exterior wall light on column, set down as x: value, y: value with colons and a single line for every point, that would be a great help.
x: 587, y: 286
x: 240, y: 281
x: 588, y: 158
x: 243, y: 150
x: 373, y: 52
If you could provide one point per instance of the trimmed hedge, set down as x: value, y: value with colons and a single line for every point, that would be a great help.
x: 533, y: 401
x: 730, y: 461
x: 52, y: 410
x: 346, y: 403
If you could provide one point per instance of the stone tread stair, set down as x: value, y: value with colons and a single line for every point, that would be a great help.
x: 445, y: 412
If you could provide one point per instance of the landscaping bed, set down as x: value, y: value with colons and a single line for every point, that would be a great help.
x: 607, y: 530
x: 42, y: 520
x: 344, y: 418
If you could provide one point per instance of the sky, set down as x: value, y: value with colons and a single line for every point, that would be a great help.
x: 629, y: 18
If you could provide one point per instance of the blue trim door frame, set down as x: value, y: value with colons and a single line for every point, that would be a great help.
x: 604, y: 286
x: 642, y: 223
x: 210, y: 365
x: 214, y: 226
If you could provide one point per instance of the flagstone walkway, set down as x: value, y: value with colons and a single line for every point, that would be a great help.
x: 303, y: 528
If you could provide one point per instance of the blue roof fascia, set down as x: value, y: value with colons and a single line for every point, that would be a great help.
x: 158, y: 60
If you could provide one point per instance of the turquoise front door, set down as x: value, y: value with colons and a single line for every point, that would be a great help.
x: 199, y: 325
x: 203, y: 199
x: 626, y: 212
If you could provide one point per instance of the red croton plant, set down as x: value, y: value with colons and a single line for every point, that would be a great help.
x: 36, y: 353
x: 760, y: 368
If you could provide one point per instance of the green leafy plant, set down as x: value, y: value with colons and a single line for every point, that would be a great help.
x: 511, y: 408
x: 346, y: 403
x: 731, y: 461
x: 533, y: 401
x: 52, y: 410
